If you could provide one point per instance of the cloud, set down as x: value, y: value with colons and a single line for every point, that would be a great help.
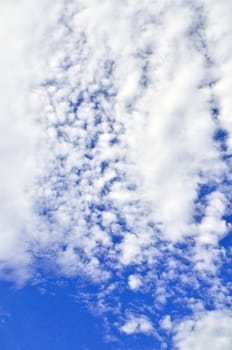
x: 98, y: 177
x: 134, y: 282
x: 136, y: 324
x: 211, y: 329
x: 96, y: 100
x: 166, y: 323
x: 219, y: 34
x: 115, y: 119
x: 17, y: 138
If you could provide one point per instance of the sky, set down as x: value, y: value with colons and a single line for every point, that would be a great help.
x: 115, y: 181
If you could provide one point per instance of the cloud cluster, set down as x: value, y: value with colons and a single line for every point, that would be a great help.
x: 115, y: 147
x: 210, y: 329
x: 104, y: 175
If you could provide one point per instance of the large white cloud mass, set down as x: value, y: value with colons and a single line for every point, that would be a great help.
x: 212, y: 329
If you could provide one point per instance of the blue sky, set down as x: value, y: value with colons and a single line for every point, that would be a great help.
x: 115, y: 182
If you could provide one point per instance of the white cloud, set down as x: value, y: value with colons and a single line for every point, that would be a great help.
x: 210, y: 230
x: 18, y: 137
x: 158, y: 171
x: 166, y: 323
x: 137, y: 324
x: 219, y: 35
x: 134, y: 282
x: 211, y: 329
x: 110, y: 132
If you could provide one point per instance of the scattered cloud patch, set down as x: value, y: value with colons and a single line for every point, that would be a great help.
x: 115, y: 150
x: 136, y: 324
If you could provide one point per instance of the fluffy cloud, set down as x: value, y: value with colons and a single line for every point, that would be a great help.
x: 219, y: 34
x: 137, y: 324
x: 106, y: 181
x: 212, y: 329
x: 115, y: 144
x: 17, y: 137
x: 134, y: 282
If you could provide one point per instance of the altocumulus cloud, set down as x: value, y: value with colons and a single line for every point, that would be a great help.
x: 116, y: 158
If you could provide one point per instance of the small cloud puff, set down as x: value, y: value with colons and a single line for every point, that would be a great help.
x: 134, y: 282
x: 137, y: 324
x: 166, y: 323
